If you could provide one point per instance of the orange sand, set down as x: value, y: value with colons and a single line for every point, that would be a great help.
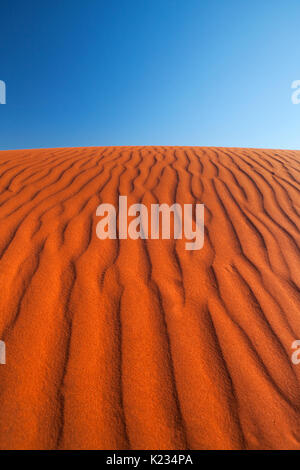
x: 144, y: 345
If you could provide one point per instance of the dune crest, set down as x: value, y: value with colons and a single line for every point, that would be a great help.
x: 141, y: 344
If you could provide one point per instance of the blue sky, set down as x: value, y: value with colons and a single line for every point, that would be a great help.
x: 149, y: 72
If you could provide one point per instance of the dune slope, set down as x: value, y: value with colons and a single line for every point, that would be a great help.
x: 133, y: 344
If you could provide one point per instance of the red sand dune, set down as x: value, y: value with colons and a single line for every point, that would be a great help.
x: 124, y: 344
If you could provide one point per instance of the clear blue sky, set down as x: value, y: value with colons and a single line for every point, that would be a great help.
x: 143, y: 72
